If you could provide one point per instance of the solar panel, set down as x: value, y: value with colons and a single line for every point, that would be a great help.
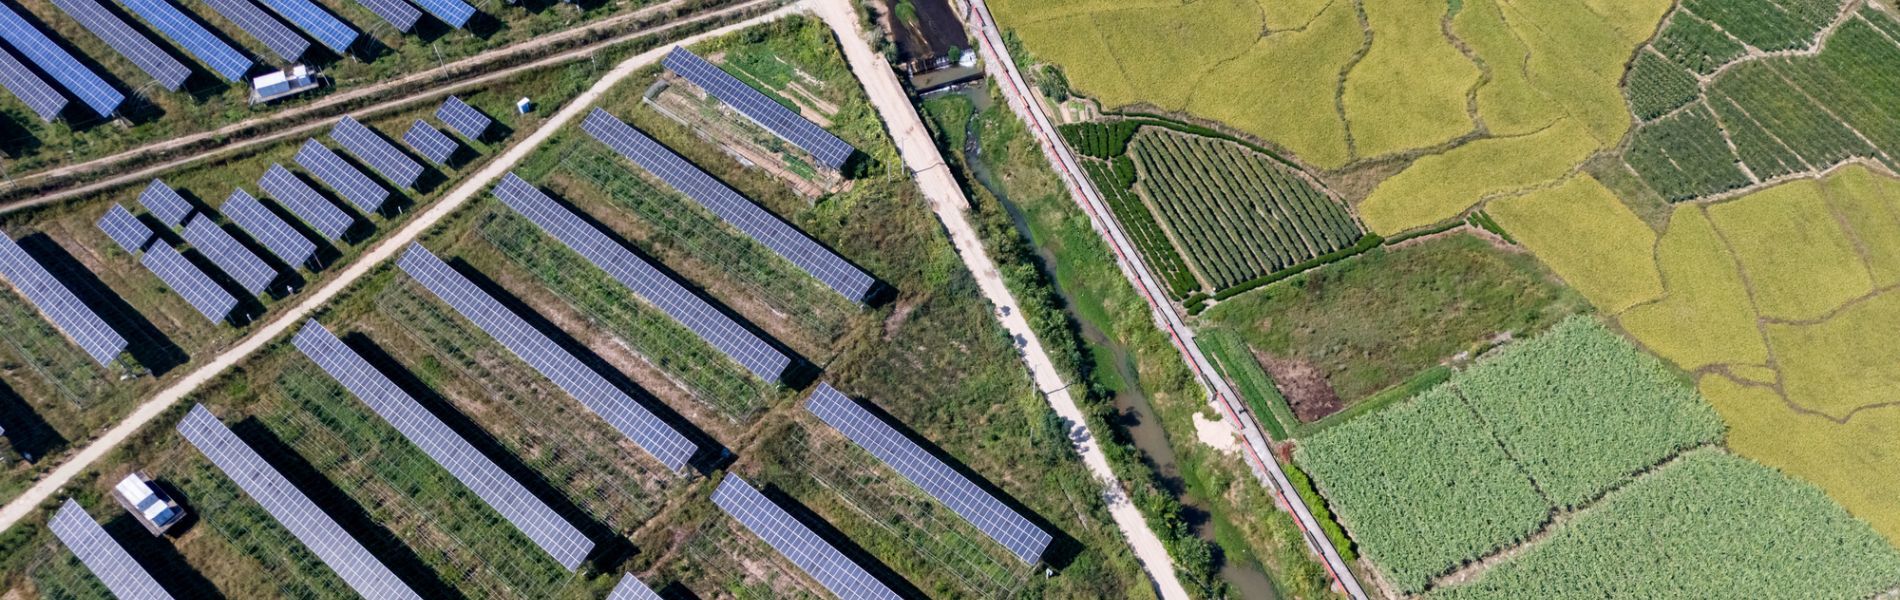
x: 534, y: 518
x: 290, y: 507
x: 771, y: 115
x: 363, y: 192
x: 268, y: 229
x: 102, y: 555
x: 60, y: 306
x: 125, y: 229
x: 319, y: 23
x: 982, y: 510
x: 729, y: 206
x: 130, y: 44
x: 32, y: 91
x: 464, y: 119
x: 795, y: 541
x: 237, y: 261
x: 397, y: 13
x: 315, y: 210
x: 194, y: 285
x: 630, y: 588
x: 187, y: 33
x: 631, y: 419
x: 54, y: 60
x: 164, y: 203
x: 644, y: 279
x: 432, y: 144
x: 370, y: 147
x: 454, y: 12
x: 281, y: 41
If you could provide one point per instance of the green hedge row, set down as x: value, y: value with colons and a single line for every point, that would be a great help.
x: 1370, y: 241
x: 1099, y: 140
x: 1317, y: 505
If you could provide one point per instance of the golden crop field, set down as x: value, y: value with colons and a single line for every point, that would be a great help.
x: 1409, y: 90
x: 1705, y: 317
x: 1799, y: 267
x: 1589, y: 238
x: 1440, y: 186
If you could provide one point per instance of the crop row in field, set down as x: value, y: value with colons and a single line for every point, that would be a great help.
x: 1657, y: 86
x: 1770, y: 26
x: 1683, y: 156
x: 1099, y: 140
x: 1692, y: 42
x: 1135, y: 218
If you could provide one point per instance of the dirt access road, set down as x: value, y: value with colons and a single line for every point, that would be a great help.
x: 946, y: 199
x: 387, y: 249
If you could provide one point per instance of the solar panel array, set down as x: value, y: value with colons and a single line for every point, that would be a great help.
x: 54, y: 60
x: 399, y: 14
x: 795, y: 541
x: 281, y: 41
x: 164, y: 203
x: 534, y: 518
x: 464, y: 119
x: 103, y: 555
x: 631, y: 419
x: 26, y: 85
x: 644, y: 279
x: 378, y: 153
x: 194, y: 38
x: 194, y: 285
x: 134, y: 47
x: 319, y: 23
x: 454, y: 12
x: 268, y: 229
x: 431, y: 143
x: 361, y: 191
x: 59, y: 304
x: 729, y: 206
x: 631, y: 588
x: 1021, y: 537
x: 315, y: 210
x: 238, y: 262
x: 347, y: 557
x: 781, y: 121
x: 125, y: 229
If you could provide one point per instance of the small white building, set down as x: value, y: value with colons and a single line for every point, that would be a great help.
x: 154, y: 508
x: 279, y: 84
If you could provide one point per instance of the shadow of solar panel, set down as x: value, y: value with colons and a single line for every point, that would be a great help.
x: 290, y: 507
x: 125, y: 230
x: 397, y: 13
x: 729, y: 206
x: 268, y: 229
x: 102, y: 555
x: 370, y: 147
x: 58, y: 304
x: 35, y: 93
x: 792, y: 539
x: 456, y: 13
x: 430, y: 143
x: 464, y: 119
x: 281, y: 41
x: 988, y: 514
x: 237, y: 261
x: 164, y: 203
x: 631, y: 588
x: 643, y: 279
x: 315, y: 210
x: 349, y: 182
x: 561, y: 540
x: 128, y: 43
x: 319, y: 23
x: 193, y: 285
x: 55, y: 62
x: 771, y: 115
x: 647, y: 431
x: 187, y: 33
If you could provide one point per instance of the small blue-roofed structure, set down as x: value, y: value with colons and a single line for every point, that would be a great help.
x: 361, y: 191
x: 322, y: 26
x: 58, y: 304
x: 224, y: 60
x: 431, y: 143
x: 236, y: 261
x: 631, y: 588
x: 129, y: 43
x: 370, y: 147
x: 164, y: 203
x: 315, y: 210
x: 397, y: 13
x: 464, y: 119
x: 455, y: 13
x: 268, y: 229
x: 782, y: 122
x: 189, y: 282
x: 281, y: 41
x: 32, y: 91
x: 125, y: 229
x: 61, y: 66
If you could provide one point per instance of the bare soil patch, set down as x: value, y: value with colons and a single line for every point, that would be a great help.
x: 1307, y: 392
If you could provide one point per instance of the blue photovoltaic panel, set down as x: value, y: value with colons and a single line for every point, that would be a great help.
x: 631, y: 419
x: 32, y: 91
x: 729, y: 206
x: 164, y: 203
x: 988, y: 514
x: 370, y: 147
x: 212, y: 51
x: 60, y: 306
x: 430, y: 143
x: 130, y: 44
x: 281, y: 41
x: 62, y: 67
x: 315, y: 210
x: 125, y: 229
x: 454, y: 12
x: 781, y: 121
x: 319, y: 23
x: 268, y: 229
x: 795, y: 541
x: 644, y: 279
x: 238, y: 262
x: 399, y: 14
x: 500, y: 491
x: 291, y: 508
x: 464, y: 119
x: 194, y: 285
x: 102, y: 555
x: 363, y: 192
x: 631, y: 588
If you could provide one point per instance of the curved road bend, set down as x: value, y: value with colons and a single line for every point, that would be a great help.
x: 946, y: 199
x: 1259, y: 448
x: 44, y: 488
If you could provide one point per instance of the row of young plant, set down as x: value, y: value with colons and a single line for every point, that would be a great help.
x: 1114, y: 180
x: 1227, y: 244
x: 1096, y: 139
x: 1770, y: 26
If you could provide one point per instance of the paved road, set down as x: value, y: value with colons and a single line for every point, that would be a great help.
x: 1259, y: 449
x: 25, y: 504
x: 946, y: 199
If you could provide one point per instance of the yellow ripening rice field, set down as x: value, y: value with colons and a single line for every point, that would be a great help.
x: 1589, y: 238
x: 1799, y: 266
